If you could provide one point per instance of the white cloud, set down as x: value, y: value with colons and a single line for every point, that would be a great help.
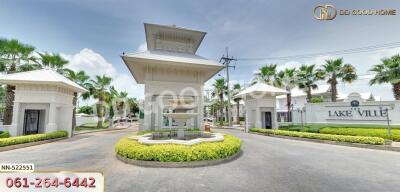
x: 95, y: 64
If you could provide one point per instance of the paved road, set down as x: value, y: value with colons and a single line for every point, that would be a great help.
x: 267, y: 164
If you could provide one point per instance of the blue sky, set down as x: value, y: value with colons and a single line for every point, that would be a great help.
x: 93, y: 34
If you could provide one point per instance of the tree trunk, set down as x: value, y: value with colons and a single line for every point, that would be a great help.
x: 289, y: 105
x: 221, y: 108
x: 74, y: 101
x: 396, y: 90
x: 309, y: 96
x: 237, y: 112
x: 100, y: 114
x: 333, y: 88
x: 9, y: 101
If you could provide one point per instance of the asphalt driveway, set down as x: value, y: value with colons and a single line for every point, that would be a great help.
x: 267, y: 164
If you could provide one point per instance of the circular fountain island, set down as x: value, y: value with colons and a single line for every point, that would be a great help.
x: 178, y: 147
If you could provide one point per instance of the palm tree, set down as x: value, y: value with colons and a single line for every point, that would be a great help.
x: 335, y: 70
x: 388, y: 72
x: 53, y: 61
x: 236, y: 89
x: 99, y: 90
x: 266, y: 74
x: 133, y: 105
x: 14, y: 56
x: 219, y: 91
x: 121, y: 98
x: 82, y: 79
x: 307, y: 77
x: 287, y: 79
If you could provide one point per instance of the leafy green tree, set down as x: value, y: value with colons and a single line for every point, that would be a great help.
x: 307, y: 77
x: 287, y: 79
x: 336, y: 70
x: 266, y: 74
x: 100, y: 90
x: 133, y: 105
x: 219, y: 91
x: 86, y: 109
x: 82, y: 79
x: 388, y: 72
x: 14, y: 56
x: 120, y: 98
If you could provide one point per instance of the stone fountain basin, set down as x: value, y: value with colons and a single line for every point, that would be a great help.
x: 147, y: 139
x: 181, y: 115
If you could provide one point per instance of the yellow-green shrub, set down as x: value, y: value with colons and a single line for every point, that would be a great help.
x: 31, y: 138
x: 371, y: 132
x: 132, y: 149
x: 341, y: 138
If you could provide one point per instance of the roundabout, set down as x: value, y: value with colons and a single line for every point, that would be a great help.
x: 131, y: 151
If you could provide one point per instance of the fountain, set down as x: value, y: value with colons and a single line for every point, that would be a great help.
x: 181, y: 106
x: 181, y: 116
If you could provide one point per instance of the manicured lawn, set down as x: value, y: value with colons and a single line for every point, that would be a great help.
x: 92, y: 126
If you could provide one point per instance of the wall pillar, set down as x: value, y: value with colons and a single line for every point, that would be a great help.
x: 16, y: 127
x: 52, y: 121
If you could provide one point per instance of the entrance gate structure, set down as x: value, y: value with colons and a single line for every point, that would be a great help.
x: 170, y: 69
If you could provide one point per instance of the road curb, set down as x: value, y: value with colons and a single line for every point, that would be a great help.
x: 101, y: 130
x: 359, y: 145
x: 158, y: 164
x: 23, y: 145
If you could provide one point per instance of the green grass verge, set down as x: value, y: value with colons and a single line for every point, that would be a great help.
x: 32, y: 138
x: 341, y: 138
x: 132, y: 149
x: 92, y: 126
x: 371, y: 132
x: 4, y: 134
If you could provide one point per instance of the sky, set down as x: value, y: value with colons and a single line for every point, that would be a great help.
x: 93, y: 34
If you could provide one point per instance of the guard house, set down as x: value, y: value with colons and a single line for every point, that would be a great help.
x: 170, y: 69
x: 43, y: 102
x: 260, y: 102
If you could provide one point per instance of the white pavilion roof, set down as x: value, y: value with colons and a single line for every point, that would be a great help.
x: 176, y: 57
x: 41, y: 76
x: 261, y: 88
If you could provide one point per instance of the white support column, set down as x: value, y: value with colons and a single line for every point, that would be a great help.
x: 147, y: 113
x: 258, y: 122
x: 16, y: 127
x: 52, y: 121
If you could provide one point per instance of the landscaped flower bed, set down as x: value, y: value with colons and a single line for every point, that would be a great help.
x: 32, y: 138
x: 132, y: 149
x: 341, y: 138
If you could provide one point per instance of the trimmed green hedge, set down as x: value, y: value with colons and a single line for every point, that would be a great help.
x: 341, y: 138
x: 371, y: 132
x: 132, y: 149
x: 32, y: 138
x: 4, y: 134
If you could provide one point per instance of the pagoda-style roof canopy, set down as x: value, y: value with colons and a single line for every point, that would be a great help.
x: 173, y: 48
x: 261, y: 88
x: 41, y: 77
